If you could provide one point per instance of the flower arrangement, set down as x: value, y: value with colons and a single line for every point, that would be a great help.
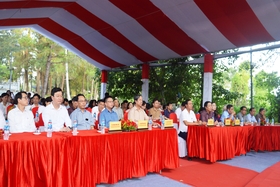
x: 128, y: 125
x: 263, y: 122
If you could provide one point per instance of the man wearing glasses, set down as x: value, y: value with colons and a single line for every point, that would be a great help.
x: 82, y: 116
x: 20, y: 118
x: 108, y: 114
x: 241, y: 115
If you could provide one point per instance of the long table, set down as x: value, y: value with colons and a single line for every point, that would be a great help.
x: 222, y: 143
x: 85, y: 160
x: 265, y: 138
x: 217, y: 143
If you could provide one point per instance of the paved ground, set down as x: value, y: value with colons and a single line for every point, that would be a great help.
x: 256, y: 161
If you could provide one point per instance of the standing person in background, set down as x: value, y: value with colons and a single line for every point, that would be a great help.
x: 92, y: 103
x: 117, y: 109
x: 179, y: 110
x: 2, y: 120
x: 66, y: 103
x: 124, y: 107
x: 4, y: 104
x: 57, y: 113
x: 144, y: 107
x: 36, y: 99
x: 73, y: 106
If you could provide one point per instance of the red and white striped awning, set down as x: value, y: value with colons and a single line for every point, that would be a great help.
x: 115, y: 33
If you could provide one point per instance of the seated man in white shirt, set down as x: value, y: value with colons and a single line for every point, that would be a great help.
x: 179, y: 110
x: 187, y: 118
x: 57, y: 113
x: 21, y: 119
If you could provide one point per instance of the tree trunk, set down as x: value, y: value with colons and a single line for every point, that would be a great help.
x: 50, y: 84
x: 42, y: 82
x: 38, y: 81
x: 83, y: 88
x: 96, y: 91
x: 48, y: 68
x: 62, y: 82
x: 91, y: 91
x: 26, y: 80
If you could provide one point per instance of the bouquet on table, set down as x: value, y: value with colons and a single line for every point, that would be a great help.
x: 263, y: 122
x: 128, y: 125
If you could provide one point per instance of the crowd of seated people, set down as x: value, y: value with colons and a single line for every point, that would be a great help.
x: 88, y: 114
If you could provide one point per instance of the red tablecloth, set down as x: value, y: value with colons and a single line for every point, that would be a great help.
x: 266, y: 138
x: 218, y: 143
x: 86, y: 159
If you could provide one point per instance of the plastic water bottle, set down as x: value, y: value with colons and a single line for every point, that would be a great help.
x: 162, y: 122
x: 94, y: 116
x: 241, y: 122
x: 259, y: 122
x: 75, y: 129
x: 102, y: 126
x: 6, y: 131
x: 150, y: 123
x: 267, y: 121
x: 36, y: 117
x: 49, y: 130
x: 272, y: 122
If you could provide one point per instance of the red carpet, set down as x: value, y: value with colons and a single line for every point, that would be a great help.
x: 269, y: 177
x: 202, y: 173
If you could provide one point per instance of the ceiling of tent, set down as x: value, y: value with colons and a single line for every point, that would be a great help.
x: 116, y: 33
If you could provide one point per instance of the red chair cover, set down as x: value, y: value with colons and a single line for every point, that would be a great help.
x: 173, y: 116
x: 125, y: 116
x: 97, y: 121
x: 197, y: 116
x: 40, y: 122
x: 9, y: 108
x: 34, y: 110
x: 88, y: 109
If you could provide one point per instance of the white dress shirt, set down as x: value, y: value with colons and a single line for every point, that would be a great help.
x: 178, y: 112
x: 41, y: 109
x: 96, y: 111
x: 186, y: 116
x: 4, y: 108
x: 59, y: 117
x: 2, y: 120
x: 21, y: 121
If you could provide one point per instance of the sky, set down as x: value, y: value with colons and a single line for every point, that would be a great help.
x: 269, y: 58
